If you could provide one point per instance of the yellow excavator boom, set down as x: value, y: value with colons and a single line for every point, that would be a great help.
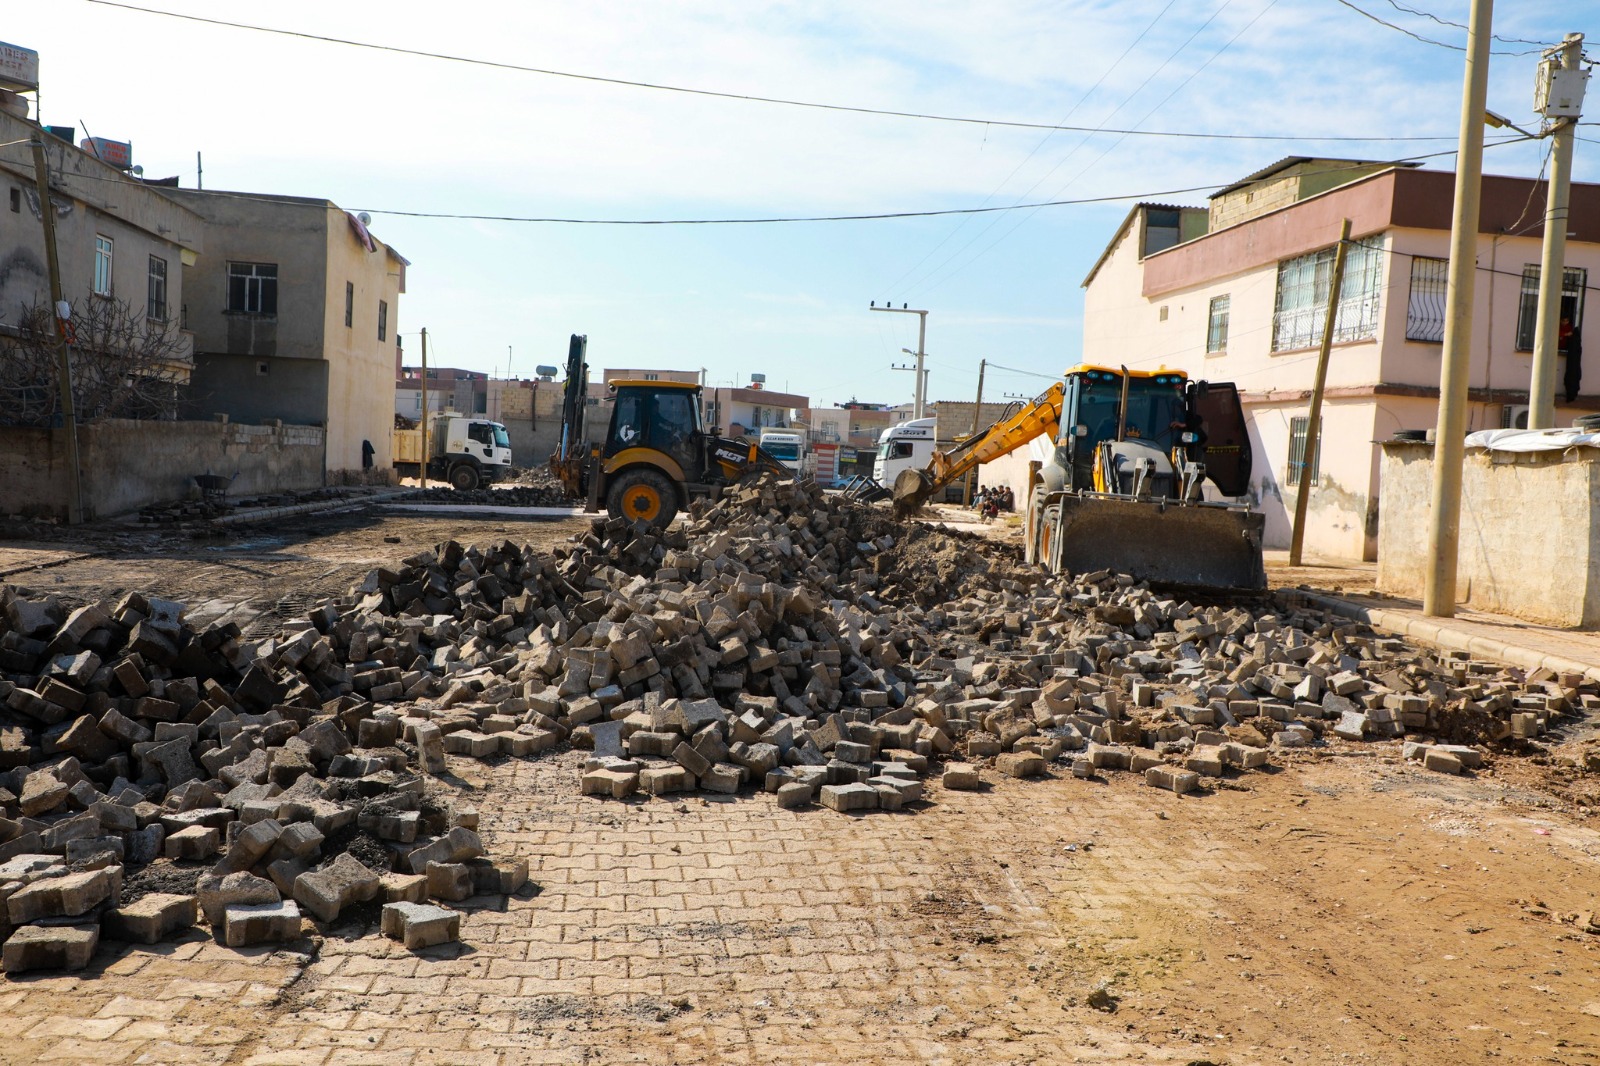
x: 1040, y: 417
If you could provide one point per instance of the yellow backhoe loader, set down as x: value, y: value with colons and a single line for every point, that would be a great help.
x: 1122, y: 489
x: 655, y: 456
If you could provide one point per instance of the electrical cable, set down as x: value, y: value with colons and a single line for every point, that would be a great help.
x: 745, y: 97
x: 1401, y: 29
x: 1462, y: 25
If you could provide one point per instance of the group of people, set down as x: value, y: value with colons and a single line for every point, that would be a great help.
x: 992, y: 500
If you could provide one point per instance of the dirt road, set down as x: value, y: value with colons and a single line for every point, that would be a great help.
x: 1346, y: 908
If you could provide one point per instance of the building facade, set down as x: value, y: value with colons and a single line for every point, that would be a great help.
x: 295, y: 309
x: 1245, y: 302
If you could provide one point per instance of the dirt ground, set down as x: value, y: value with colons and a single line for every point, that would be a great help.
x: 1347, y: 907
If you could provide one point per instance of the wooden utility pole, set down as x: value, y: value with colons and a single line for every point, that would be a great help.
x: 422, y: 473
x: 977, y: 411
x: 1308, y: 454
x: 1450, y: 436
x: 69, y: 419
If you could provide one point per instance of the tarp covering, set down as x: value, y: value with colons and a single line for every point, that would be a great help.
x: 1533, y: 440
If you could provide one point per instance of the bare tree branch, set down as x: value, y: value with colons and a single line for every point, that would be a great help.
x: 124, y: 365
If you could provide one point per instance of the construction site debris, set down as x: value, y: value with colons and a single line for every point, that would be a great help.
x: 782, y: 640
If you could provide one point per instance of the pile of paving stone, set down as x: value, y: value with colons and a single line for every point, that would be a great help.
x: 255, y: 777
x: 503, y: 495
x: 780, y: 639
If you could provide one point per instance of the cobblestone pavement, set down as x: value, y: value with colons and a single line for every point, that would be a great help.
x: 1339, y: 910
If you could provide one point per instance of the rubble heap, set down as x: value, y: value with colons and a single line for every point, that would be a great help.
x: 780, y: 638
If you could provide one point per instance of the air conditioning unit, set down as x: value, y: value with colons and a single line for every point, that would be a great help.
x: 1514, y: 416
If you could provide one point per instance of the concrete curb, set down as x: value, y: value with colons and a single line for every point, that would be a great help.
x: 1444, y: 635
x: 263, y: 514
x: 484, y: 508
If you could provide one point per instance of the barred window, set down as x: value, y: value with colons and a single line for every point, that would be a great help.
x: 1425, y: 310
x: 1302, y: 301
x: 1573, y: 281
x: 253, y: 288
x: 1299, y: 427
x: 1217, y: 324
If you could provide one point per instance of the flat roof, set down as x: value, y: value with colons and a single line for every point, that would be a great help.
x: 618, y: 383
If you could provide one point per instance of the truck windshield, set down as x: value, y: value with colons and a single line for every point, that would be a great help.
x: 781, y: 449
x: 501, y: 440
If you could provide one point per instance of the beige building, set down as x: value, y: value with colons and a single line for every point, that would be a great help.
x: 116, y: 237
x: 295, y: 312
x: 1244, y: 302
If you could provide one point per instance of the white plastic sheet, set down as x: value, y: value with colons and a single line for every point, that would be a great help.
x: 1532, y: 440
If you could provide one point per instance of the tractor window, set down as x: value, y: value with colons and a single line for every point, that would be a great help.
x: 627, y: 423
x: 672, y: 425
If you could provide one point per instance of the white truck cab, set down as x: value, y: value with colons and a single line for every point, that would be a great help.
x: 465, y: 451
x: 788, y: 446
x: 906, y: 446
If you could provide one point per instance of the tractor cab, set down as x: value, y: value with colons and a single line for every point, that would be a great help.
x: 659, y: 416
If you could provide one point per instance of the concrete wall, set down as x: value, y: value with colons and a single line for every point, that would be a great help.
x: 254, y: 389
x: 1530, y: 542
x: 531, y: 413
x: 127, y: 464
x: 360, y: 366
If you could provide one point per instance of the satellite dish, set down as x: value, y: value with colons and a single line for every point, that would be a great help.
x: 364, y: 218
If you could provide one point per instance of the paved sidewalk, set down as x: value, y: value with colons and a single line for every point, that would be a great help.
x: 1349, y: 589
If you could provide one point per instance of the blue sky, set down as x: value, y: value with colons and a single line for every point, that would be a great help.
x: 389, y: 132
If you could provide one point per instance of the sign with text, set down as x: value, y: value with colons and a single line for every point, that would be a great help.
x: 19, y: 68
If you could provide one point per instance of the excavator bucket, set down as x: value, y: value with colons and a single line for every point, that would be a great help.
x: 1169, y: 544
x: 911, y: 490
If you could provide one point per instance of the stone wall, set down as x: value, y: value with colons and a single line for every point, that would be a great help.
x: 1528, y: 544
x: 127, y: 464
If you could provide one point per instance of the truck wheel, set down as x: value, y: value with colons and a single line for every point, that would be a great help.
x: 643, y: 495
x: 464, y: 477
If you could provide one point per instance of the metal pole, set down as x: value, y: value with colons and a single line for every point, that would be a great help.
x: 922, y: 336
x: 422, y: 471
x: 977, y: 410
x: 1308, y: 454
x: 69, y: 419
x: 1552, y: 264
x: 1439, y: 589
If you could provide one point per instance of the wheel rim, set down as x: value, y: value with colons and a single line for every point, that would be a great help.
x: 641, y: 501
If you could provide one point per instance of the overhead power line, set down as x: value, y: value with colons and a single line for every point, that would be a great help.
x: 747, y: 97
x: 1461, y: 25
x: 1416, y: 36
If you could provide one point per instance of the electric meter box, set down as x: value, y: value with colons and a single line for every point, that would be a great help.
x: 1559, y: 92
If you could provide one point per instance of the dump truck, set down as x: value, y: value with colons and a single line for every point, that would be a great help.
x: 465, y: 451
x: 655, y: 455
x: 1123, y: 487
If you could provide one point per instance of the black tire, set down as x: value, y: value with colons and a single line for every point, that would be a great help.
x: 464, y: 477
x: 642, y: 494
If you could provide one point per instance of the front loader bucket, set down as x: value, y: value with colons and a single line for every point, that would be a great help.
x: 911, y: 490
x: 1164, y: 543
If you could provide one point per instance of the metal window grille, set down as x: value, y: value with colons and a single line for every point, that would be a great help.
x: 102, y: 265
x: 1217, y: 325
x: 1299, y: 427
x: 1573, y: 281
x: 1425, y: 309
x: 1302, y: 300
x: 157, y: 296
x: 253, y: 288
x: 383, y: 320
x: 349, y: 304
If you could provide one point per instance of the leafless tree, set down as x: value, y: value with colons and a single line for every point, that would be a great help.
x: 124, y: 365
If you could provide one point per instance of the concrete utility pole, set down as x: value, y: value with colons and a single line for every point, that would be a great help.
x: 1552, y: 264
x: 59, y: 308
x: 426, y: 415
x: 1449, y: 451
x: 977, y: 410
x: 921, y: 352
x: 1308, y: 454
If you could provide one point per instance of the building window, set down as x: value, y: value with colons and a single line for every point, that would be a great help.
x: 253, y: 288
x: 1302, y: 302
x: 349, y: 304
x: 1425, y: 311
x: 1217, y: 325
x: 157, y: 296
x: 102, y: 265
x: 16, y: 199
x: 652, y: 377
x: 1572, y: 287
x: 1298, y: 427
x: 383, y: 320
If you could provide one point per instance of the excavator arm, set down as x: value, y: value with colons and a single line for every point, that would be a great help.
x: 1039, y: 417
